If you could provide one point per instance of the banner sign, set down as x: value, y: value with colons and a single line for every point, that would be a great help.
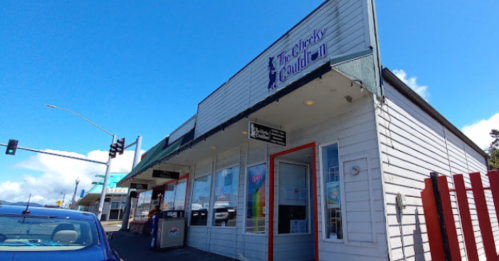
x: 138, y: 186
x: 82, y: 193
x: 165, y: 174
x: 267, y: 134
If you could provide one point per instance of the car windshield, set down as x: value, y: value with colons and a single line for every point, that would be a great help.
x: 42, y: 233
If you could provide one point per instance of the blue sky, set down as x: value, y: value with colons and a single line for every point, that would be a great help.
x: 141, y: 68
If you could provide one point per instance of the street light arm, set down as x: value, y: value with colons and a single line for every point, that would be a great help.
x: 108, y: 164
x: 87, y: 120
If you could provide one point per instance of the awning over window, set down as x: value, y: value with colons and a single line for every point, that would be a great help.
x: 157, y: 153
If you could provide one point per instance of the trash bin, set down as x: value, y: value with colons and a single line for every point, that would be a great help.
x: 154, y: 231
x: 171, y: 229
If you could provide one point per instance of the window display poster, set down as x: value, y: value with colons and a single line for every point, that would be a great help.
x: 298, y: 226
x: 303, y: 194
x: 333, y: 194
x: 225, y: 182
x: 255, y: 195
x: 296, y: 193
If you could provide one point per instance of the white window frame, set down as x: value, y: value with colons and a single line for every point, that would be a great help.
x: 323, y: 195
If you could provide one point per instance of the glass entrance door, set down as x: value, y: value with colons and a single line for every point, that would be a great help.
x: 292, y: 213
x: 293, y: 235
x: 293, y: 199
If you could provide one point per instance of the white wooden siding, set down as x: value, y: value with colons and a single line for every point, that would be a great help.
x: 413, y: 144
x: 228, y: 159
x: 354, y: 129
x: 182, y: 130
x: 230, y: 241
x: 346, y: 22
x: 358, y: 194
x: 197, y: 237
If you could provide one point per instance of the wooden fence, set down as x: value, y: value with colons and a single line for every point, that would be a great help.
x: 440, y: 223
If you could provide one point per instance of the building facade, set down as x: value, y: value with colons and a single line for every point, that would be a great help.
x: 301, y: 154
x: 114, y: 204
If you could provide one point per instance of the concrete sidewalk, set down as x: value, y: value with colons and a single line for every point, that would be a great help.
x: 134, y: 247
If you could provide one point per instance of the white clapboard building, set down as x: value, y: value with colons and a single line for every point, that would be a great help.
x: 301, y: 154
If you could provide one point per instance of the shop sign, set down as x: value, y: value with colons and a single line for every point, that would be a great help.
x: 267, y: 134
x: 303, y: 53
x: 138, y: 186
x: 117, y: 190
x: 165, y: 174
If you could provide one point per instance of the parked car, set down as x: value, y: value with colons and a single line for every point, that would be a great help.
x: 52, y: 234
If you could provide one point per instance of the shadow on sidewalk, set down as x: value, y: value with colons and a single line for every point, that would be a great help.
x: 134, y: 247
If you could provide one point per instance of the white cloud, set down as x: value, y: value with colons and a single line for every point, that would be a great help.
x: 411, y: 82
x: 59, y: 174
x: 479, y: 132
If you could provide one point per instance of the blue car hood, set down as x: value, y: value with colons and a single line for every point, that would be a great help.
x: 90, y: 254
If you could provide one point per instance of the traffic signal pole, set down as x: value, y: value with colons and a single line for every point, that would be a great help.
x: 104, y: 186
x: 128, y: 205
x: 55, y: 154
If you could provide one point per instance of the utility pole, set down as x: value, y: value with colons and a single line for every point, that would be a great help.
x: 108, y: 163
x: 104, y: 186
x: 73, y: 202
x: 63, y: 197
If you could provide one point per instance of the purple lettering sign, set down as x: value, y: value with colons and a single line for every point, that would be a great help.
x: 301, y: 55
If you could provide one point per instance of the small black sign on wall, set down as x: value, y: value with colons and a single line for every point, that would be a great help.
x: 264, y: 133
x: 164, y: 174
x: 138, y: 186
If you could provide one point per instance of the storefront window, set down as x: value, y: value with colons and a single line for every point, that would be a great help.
x: 180, y: 195
x: 114, y: 205
x: 255, y: 198
x: 169, y: 197
x: 225, y: 205
x: 200, y: 201
x: 174, y: 198
x: 332, y: 191
x: 143, y: 205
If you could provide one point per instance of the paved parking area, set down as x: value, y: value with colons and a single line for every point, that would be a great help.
x: 134, y: 247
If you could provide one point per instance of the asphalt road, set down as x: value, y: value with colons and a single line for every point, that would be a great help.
x: 134, y: 247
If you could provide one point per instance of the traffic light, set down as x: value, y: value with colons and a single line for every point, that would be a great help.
x: 121, y: 146
x: 112, y: 150
x: 118, y: 147
x: 11, y: 147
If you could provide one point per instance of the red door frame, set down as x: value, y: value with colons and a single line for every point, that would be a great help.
x: 271, y: 198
